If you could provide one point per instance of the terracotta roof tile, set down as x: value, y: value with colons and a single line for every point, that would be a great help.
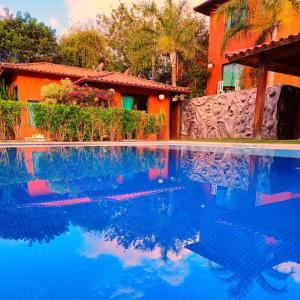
x: 85, y: 75
x: 128, y: 80
x: 50, y: 68
x: 263, y: 47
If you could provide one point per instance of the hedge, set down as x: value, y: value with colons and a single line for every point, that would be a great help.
x: 74, y: 123
x: 10, y: 119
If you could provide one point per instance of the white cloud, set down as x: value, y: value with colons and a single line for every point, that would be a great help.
x: 84, y: 11
x: 174, y: 272
x: 53, y: 22
x: 2, y: 11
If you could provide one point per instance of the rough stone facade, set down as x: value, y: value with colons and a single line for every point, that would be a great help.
x: 231, y: 115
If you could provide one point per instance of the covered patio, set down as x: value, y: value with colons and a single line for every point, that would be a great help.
x: 281, y: 56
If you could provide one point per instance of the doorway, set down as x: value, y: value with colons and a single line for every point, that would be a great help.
x: 175, y: 120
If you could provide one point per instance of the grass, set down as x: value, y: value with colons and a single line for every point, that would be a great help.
x: 251, y: 141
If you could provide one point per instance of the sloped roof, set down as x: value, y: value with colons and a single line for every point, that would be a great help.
x: 128, y: 80
x: 282, y: 55
x: 85, y: 75
x: 263, y: 47
x: 50, y: 68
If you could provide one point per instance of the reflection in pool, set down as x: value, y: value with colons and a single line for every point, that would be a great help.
x: 148, y: 223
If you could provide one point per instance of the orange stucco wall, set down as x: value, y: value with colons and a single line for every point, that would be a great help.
x: 29, y: 87
x: 156, y: 106
x: 216, y: 33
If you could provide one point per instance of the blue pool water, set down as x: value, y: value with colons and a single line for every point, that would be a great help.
x: 149, y: 223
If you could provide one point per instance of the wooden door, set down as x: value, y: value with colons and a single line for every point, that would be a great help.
x: 175, y: 120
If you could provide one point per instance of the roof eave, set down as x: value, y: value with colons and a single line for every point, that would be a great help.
x: 169, y: 89
x: 208, y: 6
x: 12, y: 68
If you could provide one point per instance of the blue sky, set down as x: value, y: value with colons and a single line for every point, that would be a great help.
x: 62, y: 13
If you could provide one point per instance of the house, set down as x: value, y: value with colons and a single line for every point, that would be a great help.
x: 218, y: 65
x: 129, y: 91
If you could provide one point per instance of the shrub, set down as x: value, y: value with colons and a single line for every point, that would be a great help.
x: 76, y: 123
x: 68, y: 93
x: 57, y: 93
x: 154, y: 123
x: 10, y: 119
x: 8, y: 93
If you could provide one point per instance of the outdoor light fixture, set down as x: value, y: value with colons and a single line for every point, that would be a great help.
x: 161, y: 97
x: 112, y: 91
x: 210, y: 65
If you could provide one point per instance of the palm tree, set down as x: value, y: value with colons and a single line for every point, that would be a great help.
x: 261, y: 17
x: 175, y: 31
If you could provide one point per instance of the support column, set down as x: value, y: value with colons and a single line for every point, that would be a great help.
x: 260, y: 98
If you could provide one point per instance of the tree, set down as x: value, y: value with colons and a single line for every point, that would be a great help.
x: 144, y: 38
x: 23, y: 39
x: 176, y: 31
x: 83, y: 48
x: 260, y: 17
x: 129, y: 43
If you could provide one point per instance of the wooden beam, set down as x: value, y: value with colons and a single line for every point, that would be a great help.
x: 260, y: 98
x: 289, y: 69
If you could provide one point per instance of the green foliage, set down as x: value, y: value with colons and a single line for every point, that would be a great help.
x: 145, y: 38
x: 8, y: 93
x: 196, y: 77
x: 75, y: 123
x: 83, y: 48
x: 68, y: 93
x: 57, y: 93
x: 154, y: 123
x: 24, y: 39
x: 260, y: 17
x: 10, y: 119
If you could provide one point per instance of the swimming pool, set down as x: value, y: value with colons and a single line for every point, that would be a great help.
x: 160, y: 222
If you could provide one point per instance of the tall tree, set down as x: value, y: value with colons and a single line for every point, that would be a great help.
x: 83, y: 48
x: 176, y: 31
x: 24, y: 39
x: 130, y: 44
x: 142, y: 38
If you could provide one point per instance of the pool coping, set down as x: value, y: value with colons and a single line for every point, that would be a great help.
x: 13, y: 144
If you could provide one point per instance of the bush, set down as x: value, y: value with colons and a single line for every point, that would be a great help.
x: 67, y: 92
x: 8, y: 93
x: 10, y: 119
x: 75, y: 123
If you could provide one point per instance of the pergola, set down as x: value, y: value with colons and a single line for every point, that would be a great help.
x: 282, y: 56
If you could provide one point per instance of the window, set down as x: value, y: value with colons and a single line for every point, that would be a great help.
x: 231, y: 73
x: 31, y: 113
x: 140, y: 103
x: 136, y: 102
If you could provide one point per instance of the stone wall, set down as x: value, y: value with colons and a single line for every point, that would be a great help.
x: 231, y: 115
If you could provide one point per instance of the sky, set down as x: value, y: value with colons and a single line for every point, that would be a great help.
x: 60, y: 14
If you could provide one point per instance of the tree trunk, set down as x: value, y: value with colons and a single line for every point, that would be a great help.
x: 153, y: 70
x: 173, y: 59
